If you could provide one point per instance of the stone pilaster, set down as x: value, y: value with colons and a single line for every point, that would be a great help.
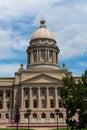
x: 37, y: 55
x: 46, y: 55
x: 4, y: 101
x: 22, y: 98
x: 39, y: 104
x: 47, y: 97
x: 15, y: 92
x: 32, y: 60
x: 30, y: 98
x: 56, y: 99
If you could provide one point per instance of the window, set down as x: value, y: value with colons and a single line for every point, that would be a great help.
x: 1, y: 93
x: 25, y: 115
x: 26, y: 103
x: 52, y: 103
x: 43, y: 91
x: 7, y: 115
x: 34, y: 91
x: 0, y: 116
x: 59, y: 91
x: 34, y: 103
x: 60, y: 115
x: 52, y: 115
x: 7, y: 93
x: 26, y: 91
x: 43, y: 103
x: 34, y: 115
x: 35, y: 56
x: 50, y: 55
x: 8, y: 104
x: 43, y: 115
x: 51, y: 91
x: 43, y: 55
x: 60, y: 103
x: 1, y: 104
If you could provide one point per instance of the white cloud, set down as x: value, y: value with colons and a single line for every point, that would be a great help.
x: 66, y: 19
x: 8, y: 44
x: 73, y: 41
x: 8, y: 69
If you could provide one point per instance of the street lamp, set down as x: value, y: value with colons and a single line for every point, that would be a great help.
x: 57, y: 113
x: 17, y: 117
x: 28, y: 113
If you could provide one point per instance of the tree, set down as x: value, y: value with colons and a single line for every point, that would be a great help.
x: 74, y: 95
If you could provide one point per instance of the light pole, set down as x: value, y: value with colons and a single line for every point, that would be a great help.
x: 57, y: 113
x: 17, y: 117
x: 28, y: 114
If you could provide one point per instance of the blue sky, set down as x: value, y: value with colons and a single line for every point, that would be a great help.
x: 67, y: 19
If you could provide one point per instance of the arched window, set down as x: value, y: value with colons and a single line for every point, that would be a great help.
x: 52, y: 115
x: 43, y: 115
x: 60, y: 115
x: 34, y: 115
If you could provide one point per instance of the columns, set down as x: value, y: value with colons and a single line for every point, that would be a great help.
x: 48, y: 55
x: 31, y: 58
x: 37, y: 56
x: 15, y: 92
x: 54, y: 57
x: 56, y: 99
x: 4, y: 101
x: 45, y: 55
x: 39, y: 104
x: 22, y: 97
x: 47, y: 96
x: 30, y: 98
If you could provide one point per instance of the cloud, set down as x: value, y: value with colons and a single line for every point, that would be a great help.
x: 8, y: 70
x: 8, y: 44
x: 66, y: 19
x: 73, y: 41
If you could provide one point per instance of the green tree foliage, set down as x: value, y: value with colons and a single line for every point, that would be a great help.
x: 74, y: 95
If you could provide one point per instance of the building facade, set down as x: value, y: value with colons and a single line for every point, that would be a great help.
x: 38, y: 86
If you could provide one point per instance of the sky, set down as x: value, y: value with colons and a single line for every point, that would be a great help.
x: 66, y: 19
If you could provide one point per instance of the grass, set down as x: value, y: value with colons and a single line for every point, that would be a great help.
x: 34, y: 129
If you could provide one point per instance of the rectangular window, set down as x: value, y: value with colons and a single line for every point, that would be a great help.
x: 35, y: 103
x: 8, y: 104
x: 43, y: 103
x: 35, y: 56
x: 1, y: 93
x: 51, y: 91
x: 34, y: 92
x: 1, y: 104
x: 26, y: 103
x: 43, y: 55
x: 26, y: 91
x: 7, y: 115
x: 60, y: 103
x: 7, y: 93
x: 0, y: 116
x: 52, y: 103
x: 43, y: 91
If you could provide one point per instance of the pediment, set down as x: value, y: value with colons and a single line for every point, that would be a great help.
x: 42, y: 78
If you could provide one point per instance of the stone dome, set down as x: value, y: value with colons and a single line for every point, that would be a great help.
x: 43, y: 33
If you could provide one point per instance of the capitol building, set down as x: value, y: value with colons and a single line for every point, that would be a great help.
x: 36, y: 87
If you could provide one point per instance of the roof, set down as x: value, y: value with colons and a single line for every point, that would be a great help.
x: 43, y: 33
